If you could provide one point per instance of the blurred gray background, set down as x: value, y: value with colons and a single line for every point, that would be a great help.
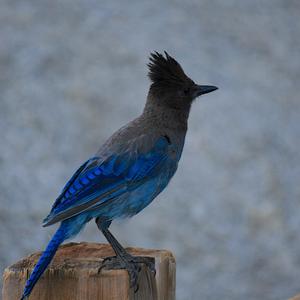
x: 72, y: 72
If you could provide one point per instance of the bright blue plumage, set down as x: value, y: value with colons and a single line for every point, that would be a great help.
x: 99, y: 180
x: 65, y: 230
x: 134, y: 165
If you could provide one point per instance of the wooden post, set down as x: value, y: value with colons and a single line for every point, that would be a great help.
x: 73, y: 274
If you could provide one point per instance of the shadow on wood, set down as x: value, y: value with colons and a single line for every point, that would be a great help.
x: 73, y: 274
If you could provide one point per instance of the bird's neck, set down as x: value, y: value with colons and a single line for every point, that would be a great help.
x: 166, y: 117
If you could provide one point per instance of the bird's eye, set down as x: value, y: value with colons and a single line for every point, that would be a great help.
x: 186, y: 91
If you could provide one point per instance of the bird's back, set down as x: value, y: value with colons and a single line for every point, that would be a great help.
x: 126, y: 174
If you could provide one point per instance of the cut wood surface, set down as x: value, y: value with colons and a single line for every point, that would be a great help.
x: 73, y: 274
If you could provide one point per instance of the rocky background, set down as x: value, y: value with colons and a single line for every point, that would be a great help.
x: 72, y: 72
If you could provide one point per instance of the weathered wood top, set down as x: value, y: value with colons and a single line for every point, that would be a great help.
x: 73, y: 274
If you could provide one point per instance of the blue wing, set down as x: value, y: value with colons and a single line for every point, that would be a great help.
x: 100, y: 180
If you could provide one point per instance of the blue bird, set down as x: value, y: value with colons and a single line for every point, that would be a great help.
x: 130, y: 169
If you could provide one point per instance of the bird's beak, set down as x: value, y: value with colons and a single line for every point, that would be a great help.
x: 204, y: 89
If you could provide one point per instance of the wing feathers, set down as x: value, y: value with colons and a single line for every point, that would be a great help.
x: 98, y: 181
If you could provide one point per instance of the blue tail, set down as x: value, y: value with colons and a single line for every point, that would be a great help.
x: 45, y: 259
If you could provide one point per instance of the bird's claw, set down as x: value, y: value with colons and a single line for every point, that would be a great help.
x: 132, y: 264
x: 146, y: 260
x: 105, y: 264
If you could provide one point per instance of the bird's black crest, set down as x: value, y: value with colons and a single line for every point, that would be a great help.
x: 165, y: 70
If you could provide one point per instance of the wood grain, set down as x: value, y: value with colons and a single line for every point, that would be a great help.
x: 73, y: 274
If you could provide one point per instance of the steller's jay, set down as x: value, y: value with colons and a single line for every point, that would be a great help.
x: 130, y: 169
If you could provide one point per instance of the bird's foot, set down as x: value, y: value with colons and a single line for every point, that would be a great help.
x: 131, y: 263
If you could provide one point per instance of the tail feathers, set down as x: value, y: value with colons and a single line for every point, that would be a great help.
x: 44, y: 260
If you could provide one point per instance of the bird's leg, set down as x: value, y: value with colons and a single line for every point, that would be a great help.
x: 124, y: 260
x: 124, y: 255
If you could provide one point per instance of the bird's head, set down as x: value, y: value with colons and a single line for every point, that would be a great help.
x: 171, y: 85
